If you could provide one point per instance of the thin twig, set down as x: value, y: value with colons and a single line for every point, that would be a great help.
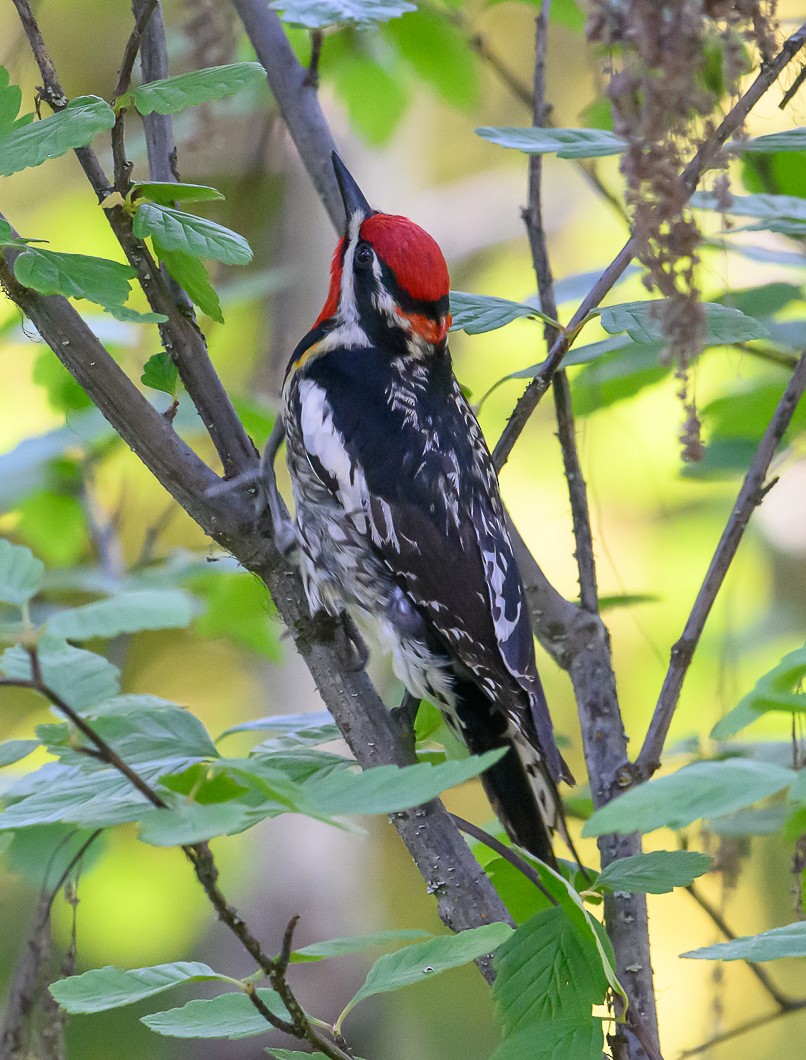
x: 702, y: 160
x: 750, y: 495
x: 742, y: 1028
x: 200, y: 856
x: 133, y: 47
x: 507, y: 853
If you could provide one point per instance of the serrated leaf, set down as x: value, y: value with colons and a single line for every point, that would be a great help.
x: 565, y: 143
x: 477, y: 313
x: 555, y: 1039
x: 126, y: 612
x: 75, y: 126
x: 319, y: 951
x: 284, y: 723
x: 788, y: 140
x: 193, y: 822
x: 546, y: 969
x: 14, y: 750
x: 74, y: 276
x: 20, y: 574
x: 703, y: 789
x: 102, y: 989
x: 168, y: 192
x: 173, y: 94
x: 132, y: 703
x: 191, y: 275
x: 159, y: 735
x: 414, y: 963
x: 59, y: 794
x: 643, y: 322
x: 80, y: 677
x: 160, y: 373
x: 193, y: 235
x: 786, y: 941
x: 316, y: 14
x: 657, y: 872
x: 226, y: 1016
x: 388, y: 789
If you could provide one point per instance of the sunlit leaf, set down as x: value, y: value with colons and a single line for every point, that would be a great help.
x: 167, y: 192
x: 438, y: 53
x: 555, y: 1039
x: 14, y: 750
x: 160, y: 372
x: 477, y: 313
x: 191, y: 275
x: 703, y: 789
x: 643, y: 322
x: 657, y: 872
x: 318, y: 951
x: 80, y: 677
x: 176, y: 230
x: 415, y: 963
x: 127, y: 612
x: 173, y: 94
x: 565, y: 143
x: 20, y: 573
x: 105, y: 988
x: 387, y: 789
x: 786, y: 941
x: 75, y: 126
x: 315, y: 14
x: 74, y: 276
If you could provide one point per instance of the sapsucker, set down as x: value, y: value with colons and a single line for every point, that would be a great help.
x: 397, y: 508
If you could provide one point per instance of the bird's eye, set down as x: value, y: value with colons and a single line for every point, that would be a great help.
x: 363, y: 256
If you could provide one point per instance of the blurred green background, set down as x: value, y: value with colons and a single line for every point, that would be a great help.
x: 403, y: 103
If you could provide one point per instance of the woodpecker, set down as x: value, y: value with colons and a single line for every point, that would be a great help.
x: 397, y: 509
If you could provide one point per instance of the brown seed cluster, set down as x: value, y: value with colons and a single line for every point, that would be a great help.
x: 670, y: 62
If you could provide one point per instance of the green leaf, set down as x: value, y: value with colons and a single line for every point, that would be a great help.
x: 193, y: 822
x: 546, y: 968
x: 176, y: 230
x: 658, y: 872
x: 286, y: 723
x: 786, y: 941
x: 14, y: 750
x: 237, y: 607
x: 781, y: 688
x: 438, y: 53
x: 643, y: 322
x: 295, y: 1054
x: 375, y: 99
x: 777, y: 213
x: 173, y: 94
x: 318, y: 951
x: 477, y: 313
x: 74, y: 276
x: 133, y: 316
x: 160, y: 373
x: 519, y: 894
x: 104, y: 988
x: 168, y: 192
x: 414, y: 963
x: 388, y: 789
x: 20, y: 574
x: 616, y: 375
x: 75, y: 126
x: 565, y: 143
x: 10, y: 102
x: 226, y: 1016
x: 127, y: 612
x: 572, y: 1038
x: 164, y: 734
x: 752, y: 822
x: 703, y: 789
x: 80, y: 677
x: 316, y: 14
x: 191, y: 275
x: 59, y: 794
x: 764, y: 300
x: 788, y: 140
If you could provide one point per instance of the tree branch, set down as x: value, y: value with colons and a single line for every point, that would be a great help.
x: 750, y: 496
x: 705, y: 156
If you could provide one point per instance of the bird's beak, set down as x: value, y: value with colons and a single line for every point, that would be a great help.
x: 356, y: 207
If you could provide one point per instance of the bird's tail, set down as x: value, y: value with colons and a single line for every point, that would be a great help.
x: 519, y: 786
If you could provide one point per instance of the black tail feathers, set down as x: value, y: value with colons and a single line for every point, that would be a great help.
x: 519, y: 787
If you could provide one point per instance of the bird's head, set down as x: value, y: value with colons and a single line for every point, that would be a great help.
x: 387, y: 275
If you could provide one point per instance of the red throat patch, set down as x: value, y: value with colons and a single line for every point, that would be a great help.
x: 411, y: 253
x: 332, y: 300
